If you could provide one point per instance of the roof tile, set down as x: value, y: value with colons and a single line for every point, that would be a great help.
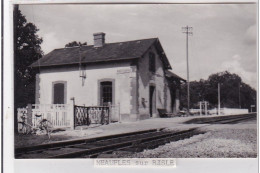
x: 88, y: 54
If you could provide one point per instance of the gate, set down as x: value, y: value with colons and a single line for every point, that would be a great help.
x: 91, y: 115
x: 57, y: 114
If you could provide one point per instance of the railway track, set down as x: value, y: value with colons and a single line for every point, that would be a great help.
x: 93, y: 147
x: 57, y: 145
x: 132, y: 142
x: 222, y: 119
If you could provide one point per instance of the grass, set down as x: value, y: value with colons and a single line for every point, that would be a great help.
x: 32, y: 139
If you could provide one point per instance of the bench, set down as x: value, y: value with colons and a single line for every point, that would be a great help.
x: 163, y: 113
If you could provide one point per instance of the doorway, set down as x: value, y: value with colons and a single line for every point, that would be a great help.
x: 152, y: 100
x: 106, y: 93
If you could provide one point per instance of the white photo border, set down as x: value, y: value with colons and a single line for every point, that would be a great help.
x: 86, y: 165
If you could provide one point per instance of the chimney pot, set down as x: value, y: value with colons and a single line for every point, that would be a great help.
x: 99, y: 39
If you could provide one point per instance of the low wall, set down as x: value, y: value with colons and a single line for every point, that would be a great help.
x: 195, y: 111
x: 214, y: 111
x: 223, y: 111
x: 231, y: 111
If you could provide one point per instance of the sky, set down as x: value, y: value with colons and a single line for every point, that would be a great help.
x: 224, y: 35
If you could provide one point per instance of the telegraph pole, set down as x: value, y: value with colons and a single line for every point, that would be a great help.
x: 188, y: 31
x: 218, y: 98
x: 239, y: 99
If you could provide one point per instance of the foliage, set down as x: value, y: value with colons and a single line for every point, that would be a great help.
x: 27, y: 50
x: 230, y: 87
x: 74, y: 44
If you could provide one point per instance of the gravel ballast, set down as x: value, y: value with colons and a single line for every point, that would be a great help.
x: 221, y: 141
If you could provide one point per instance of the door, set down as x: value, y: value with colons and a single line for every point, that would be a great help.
x: 106, y: 93
x: 151, y: 100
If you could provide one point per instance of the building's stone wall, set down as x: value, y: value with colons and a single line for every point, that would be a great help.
x: 177, y: 101
x: 168, y: 96
x: 146, y: 79
x: 131, y: 81
x: 85, y: 91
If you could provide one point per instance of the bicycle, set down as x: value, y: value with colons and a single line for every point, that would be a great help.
x: 43, y: 126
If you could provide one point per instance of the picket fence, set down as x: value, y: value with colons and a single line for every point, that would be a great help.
x: 57, y: 114
x: 63, y: 115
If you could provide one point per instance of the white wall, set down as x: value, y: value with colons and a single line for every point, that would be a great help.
x: 87, y: 93
x: 231, y: 111
x: 223, y: 111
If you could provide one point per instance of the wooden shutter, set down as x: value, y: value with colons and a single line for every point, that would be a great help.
x: 59, y: 97
x: 151, y: 62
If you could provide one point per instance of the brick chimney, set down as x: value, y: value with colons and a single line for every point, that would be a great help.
x: 99, y: 39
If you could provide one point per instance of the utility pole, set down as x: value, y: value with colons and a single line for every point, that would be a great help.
x: 200, y: 108
x: 188, y: 31
x: 218, y: 98
x: 239, y: 99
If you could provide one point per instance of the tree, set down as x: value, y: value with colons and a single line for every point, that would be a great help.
x: 231, y: 86
x: 74, y: 44
x: 27, y: 50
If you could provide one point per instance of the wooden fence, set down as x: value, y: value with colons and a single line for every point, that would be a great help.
x: 60, y: 115
x: 57, y: 114
x: 67, y: 115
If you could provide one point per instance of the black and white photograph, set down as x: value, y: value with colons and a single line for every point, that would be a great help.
x: 95, y: 81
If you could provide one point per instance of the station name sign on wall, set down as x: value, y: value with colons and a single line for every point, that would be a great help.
x: 123, y: 71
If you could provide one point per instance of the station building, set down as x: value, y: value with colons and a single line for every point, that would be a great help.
x: 133, y: 75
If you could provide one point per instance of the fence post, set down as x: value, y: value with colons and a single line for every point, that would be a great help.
x: 119, y: 113
x: 108, y: 115
x: 109, y: 112
x: 71, y: 113
x: 88, y: 120
x: 29, y: 114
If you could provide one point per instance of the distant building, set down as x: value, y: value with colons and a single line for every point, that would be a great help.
x: 133, y: 75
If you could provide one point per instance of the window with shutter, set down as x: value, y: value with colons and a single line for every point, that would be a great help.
x: 59, y: 93
x: 151, y: 62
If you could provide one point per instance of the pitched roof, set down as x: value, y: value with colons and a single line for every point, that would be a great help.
x: 109, y: 52
x: 170, y: 74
